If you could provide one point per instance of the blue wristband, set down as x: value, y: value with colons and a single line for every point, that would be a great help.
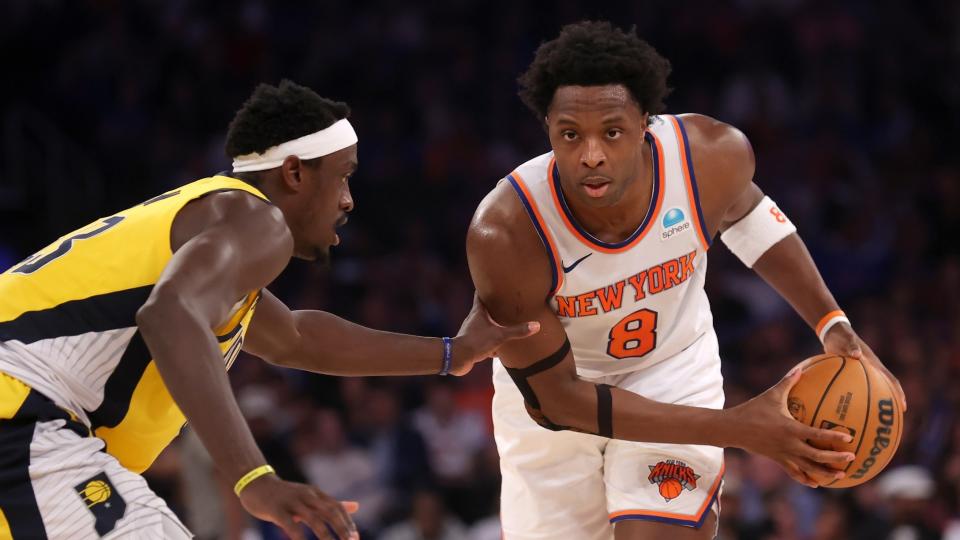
x: 447, y: 356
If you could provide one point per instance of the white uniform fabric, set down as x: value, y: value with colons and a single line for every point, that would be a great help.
x: 637, y: 317
x: 61, y: 460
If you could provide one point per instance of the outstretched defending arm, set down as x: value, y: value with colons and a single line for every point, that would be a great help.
x: 509, y: 268
x: 324, y: 343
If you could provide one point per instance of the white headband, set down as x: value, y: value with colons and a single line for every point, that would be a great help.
x: 324, y: 142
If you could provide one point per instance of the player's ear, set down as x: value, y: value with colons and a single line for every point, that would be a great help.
x: 290, y: 172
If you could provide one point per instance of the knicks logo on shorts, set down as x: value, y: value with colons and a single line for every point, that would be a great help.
x: 103, y: 501
x: 672, y: 477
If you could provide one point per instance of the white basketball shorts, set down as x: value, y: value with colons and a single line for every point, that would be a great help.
x: 568, y: 484
x: 57, y: 482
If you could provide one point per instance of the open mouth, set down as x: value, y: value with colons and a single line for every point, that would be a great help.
x: 596, y: 187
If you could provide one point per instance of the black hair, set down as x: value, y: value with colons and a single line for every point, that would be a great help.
x: 595, y: 53
x: 277, y: 114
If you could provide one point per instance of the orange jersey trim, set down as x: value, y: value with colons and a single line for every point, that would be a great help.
x: 531, y: 204
x: 692, y: 193
x: 648, y: 221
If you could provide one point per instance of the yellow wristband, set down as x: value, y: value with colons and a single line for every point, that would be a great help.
x: 262, y: 470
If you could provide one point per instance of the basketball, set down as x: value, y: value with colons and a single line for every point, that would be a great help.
x: 670, y: 489
x: 843, y: 393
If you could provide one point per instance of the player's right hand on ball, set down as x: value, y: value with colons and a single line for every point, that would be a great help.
x: 288, y: 504
x: 765, y: 427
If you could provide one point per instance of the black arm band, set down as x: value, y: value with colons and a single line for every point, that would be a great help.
x: 604, y: 411
x: 519, y: 375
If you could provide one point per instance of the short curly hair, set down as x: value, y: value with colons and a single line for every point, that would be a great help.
x: 595, y: 53
x: 277, y: 114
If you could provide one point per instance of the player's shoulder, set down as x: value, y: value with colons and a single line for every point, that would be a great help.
x: 495, y: 222
x: 501, y: 231
x: 710, y: 136
x: 534, y: 168
x: 230, y: 209
x: 722, y: 155
x: 504, y: 252
x: 500, y: 214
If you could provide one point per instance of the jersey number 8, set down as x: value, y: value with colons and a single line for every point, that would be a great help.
x: 634, y: 336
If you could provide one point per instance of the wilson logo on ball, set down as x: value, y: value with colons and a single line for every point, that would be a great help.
x: 882, y: 439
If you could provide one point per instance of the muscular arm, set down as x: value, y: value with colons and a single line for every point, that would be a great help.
x: 725, y: 164
x: 324, y: 343
x: 226, y: 245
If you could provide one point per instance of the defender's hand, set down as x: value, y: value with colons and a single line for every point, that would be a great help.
x: 764, y: 426
x: 288, y: 504
x: 480, y: 337
x: 842, y: 340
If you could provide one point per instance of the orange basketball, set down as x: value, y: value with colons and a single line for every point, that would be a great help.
x: 842, y: 393
x: 670, y: 488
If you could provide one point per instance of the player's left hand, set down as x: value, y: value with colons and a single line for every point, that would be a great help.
x: 480, y: 337
x: 842, y: 340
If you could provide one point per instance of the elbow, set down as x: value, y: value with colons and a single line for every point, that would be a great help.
x: 159, y: 311
x: 284, y: 361
x: 563, y: 408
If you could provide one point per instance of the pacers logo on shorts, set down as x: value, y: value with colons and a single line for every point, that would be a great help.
x: 672, y: 477
x: 103, y: 501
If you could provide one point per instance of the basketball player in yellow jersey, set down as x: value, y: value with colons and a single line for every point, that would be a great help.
x: 115, y: 334
x: 610, y: 421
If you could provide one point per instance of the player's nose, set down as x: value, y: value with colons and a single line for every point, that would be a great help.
x: 346, y: 200
x: 593, y: 155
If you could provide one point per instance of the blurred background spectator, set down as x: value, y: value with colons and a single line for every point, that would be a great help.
x: 852, y: 107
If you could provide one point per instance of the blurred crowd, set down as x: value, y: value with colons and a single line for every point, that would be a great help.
x: 852, y: 108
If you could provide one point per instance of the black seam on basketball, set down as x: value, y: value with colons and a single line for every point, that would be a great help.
x: 824, y: 359
x: 823, y: 396
x: 866, y: 417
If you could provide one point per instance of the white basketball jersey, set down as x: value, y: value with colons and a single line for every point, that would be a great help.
x: 629, y: 305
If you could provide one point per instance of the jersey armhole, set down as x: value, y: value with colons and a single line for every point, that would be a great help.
x: 556, y: 278
x: 690, y: 180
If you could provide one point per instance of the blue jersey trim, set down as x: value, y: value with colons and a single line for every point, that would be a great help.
x: 647, y: 218
x: 543, y: 235
x: 693, y: 181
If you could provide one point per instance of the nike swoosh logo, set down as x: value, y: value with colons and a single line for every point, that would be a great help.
x: 568, y: 269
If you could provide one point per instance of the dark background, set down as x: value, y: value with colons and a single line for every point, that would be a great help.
x: 852, y: 108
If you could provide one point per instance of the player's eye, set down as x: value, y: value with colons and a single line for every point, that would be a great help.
x: 569, y: 135
x: 614, y: 133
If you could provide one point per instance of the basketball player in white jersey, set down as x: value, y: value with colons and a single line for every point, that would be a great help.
x: 610, y: 421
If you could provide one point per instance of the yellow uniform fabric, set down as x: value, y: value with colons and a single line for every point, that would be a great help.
x: 68, y: 330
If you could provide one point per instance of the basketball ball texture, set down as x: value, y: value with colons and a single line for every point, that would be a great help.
x: 670, y: 489
x: 844, y: 394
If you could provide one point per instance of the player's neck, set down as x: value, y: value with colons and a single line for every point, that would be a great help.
x: 617, y: 222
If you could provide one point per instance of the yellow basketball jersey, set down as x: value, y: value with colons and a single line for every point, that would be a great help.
x: 68, y: 328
